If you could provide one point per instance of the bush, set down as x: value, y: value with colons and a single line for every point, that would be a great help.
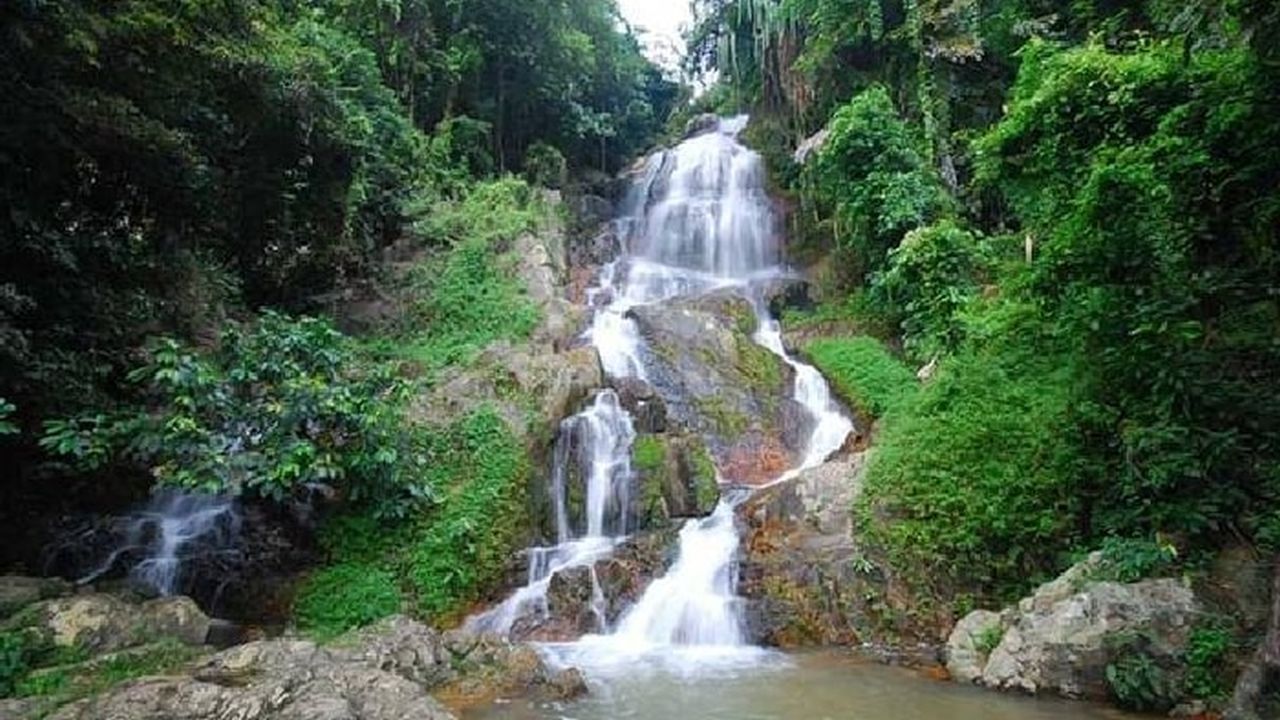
x: 1130, y: 560
x: 545, y: 166
x: 339, y: 598
x: 13, y: 661
x: 283, y: 404
x: 1135, y: 679
x: 863, y: 372
x: 933, y: 273
x: 1209, y: 649
x: 972, y: 487
x: 871, y: 181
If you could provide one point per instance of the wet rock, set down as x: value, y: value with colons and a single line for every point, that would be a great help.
x: 104, y: 623
x: 701, y: 124
x: 570, y: 596
x: 17, y: 592
x: 794, y: 294
x: 566, y: 685
x: 718, y: 383
x: 675, y: 477
x: 966, y: 653
x: 489, y: 667
x: 647, y: 410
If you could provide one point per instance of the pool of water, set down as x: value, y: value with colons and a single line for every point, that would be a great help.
x: 772, y: 686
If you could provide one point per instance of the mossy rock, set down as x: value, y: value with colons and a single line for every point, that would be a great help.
x: 675, y: 478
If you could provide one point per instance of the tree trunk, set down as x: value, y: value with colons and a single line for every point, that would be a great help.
x: 1265, y: 665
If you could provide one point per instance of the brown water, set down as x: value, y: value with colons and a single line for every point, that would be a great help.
x: 819, y: 686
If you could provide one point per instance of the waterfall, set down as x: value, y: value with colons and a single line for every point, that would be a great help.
x: 697, y: 219
x: 172, y: 528
x: 596, y: 445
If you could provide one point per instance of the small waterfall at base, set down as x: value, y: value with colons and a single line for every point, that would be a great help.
x: 596, y: 444
x: 697, y: 219
x: 157, y: 539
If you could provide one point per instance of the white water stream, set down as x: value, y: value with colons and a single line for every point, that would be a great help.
x: 698, y: 219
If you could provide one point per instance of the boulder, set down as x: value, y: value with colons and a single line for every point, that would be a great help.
x: 675, y: 477
x: 17, y: 592
x: 102, y: 623
x: 384, y: 672
x: 718, y: 383
x: 967, y: 649
x: 1060, y: 644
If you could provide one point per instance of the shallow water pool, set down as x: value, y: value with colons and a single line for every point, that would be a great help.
x: 773, y: 686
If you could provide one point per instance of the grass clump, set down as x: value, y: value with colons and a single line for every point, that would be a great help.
x: 339, y: 598
x: 648, y: 453
x: 972, y: 486
x: 863, y: 372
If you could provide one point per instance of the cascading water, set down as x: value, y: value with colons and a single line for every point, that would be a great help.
x: 698, y: 219
x: 157, y: 539
x: 595, y: 443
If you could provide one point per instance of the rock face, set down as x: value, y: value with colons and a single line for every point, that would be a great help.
x: 700, y: 124
x: 1058, y: 640
x: 801, y: 573
x: 382, y: 673
x: 717, y: 383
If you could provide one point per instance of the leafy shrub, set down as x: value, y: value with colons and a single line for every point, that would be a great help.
x: 544, y: 165
x: 929, y: 277
x: 1146, y: 178
x: 14, y: 661
x: 339, y: 598
x: 863, y: 372
x: 972, y: 487
x: 468, y: 296
x: 1208, y: 649
x: 1130, y: 559
x: 282, y: 405
x: 1134, y: 677
x: 871, y: 181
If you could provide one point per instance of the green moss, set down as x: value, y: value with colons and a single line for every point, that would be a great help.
x: 863, y: 372
x: 648, y: 453
x: 726, y: 421
x: 464, y: 548
x: 341, y: 597
x: 435, y: 564
x: 702, y: 469
x: 760, y: 368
